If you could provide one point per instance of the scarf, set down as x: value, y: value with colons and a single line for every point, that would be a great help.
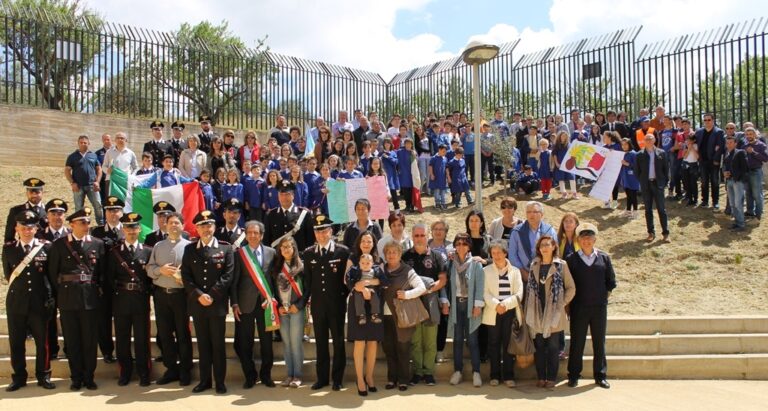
x: 461, y: 270
x: 542, y: 320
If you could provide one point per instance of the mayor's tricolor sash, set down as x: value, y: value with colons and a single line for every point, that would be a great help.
x: 271, y: 319
x: 291, y: 281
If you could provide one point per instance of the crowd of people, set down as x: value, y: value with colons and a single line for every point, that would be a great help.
x: 267, y: 251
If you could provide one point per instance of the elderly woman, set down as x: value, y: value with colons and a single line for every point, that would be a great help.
x: 404, y: 284
x: 503, y: 293
x: 464, y: 306
x: 439, y: 230
x: 549, y: 289
x: 192, y: 160
x: 397, y: 232
x: 365, y: 337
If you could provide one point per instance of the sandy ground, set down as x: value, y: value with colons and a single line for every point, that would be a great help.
x: 704, y: 269
x: 624, y: 395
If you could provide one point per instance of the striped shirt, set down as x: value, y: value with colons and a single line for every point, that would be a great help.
x: 505, y: 288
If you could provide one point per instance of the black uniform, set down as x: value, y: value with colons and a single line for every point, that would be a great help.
x: 177, y: 146
x: 325, y: 285
x: 205, y: 141
x: 227, y: 236
x: 209, y: 270
x: 53, y: 326
x: 28, y: 305
x: 111, y: 237
x: 158, y: 148
x: 277, y: 223
x: 10, y: 223
x: 75, y: 270
x: 127, y: 276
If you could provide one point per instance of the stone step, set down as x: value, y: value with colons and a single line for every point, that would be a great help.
x: 641, y: 325
x: 681, y: 344
x: 730, y: 366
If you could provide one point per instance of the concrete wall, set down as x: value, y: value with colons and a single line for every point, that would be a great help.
x: 40, y: 137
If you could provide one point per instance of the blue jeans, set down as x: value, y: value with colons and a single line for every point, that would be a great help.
x: 292, y: 331
x: 439, y: 196
x: 736, y: 191
x: 755, y: 192
x: 95, y: 200
x: 424, y: 175
x: 460, y: 334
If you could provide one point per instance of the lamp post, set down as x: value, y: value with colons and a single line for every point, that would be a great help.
x: 475, y: 54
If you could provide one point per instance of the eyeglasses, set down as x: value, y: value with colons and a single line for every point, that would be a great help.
x: 419, y: 235
x: 707, y: 120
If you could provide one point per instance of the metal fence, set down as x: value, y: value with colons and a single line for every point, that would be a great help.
x: 93, y: 66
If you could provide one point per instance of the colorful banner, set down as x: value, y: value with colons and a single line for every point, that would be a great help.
x: 603, y: 188
x: 343, y: 194
x: 584, y: 159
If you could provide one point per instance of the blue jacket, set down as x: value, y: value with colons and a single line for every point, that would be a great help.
x: 269, y: 197
x: 628, y: 178
x: 301, y: 194
x: 543, y: 167
x: 438, y: 165
x: 458, y: 172
x: 252, y: 190
x: 390, y: 163
x: 404, y: 161
x: 475, y: 289
x: 521, y: 251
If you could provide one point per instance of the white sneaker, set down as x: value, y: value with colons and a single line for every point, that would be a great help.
x: 614, y: 204
x: 296, y: 383
x: 510, y: 383
x: 476, y: 380
x: 494, y: 382
x: 286, y: 382
x: 456, y: 378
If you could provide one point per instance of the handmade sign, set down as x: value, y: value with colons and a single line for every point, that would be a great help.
x: 342, y: 195
x: 584, y: 159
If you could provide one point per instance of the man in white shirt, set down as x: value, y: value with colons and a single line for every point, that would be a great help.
x: 120, y: 156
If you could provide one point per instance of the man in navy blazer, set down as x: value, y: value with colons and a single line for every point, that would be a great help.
x: 652, y: 171
x: 711, y: 142
x: 522, y: 240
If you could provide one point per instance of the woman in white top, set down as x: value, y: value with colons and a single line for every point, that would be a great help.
x: 502, y: 293
x: 397, y: 232
x: 192, y: 160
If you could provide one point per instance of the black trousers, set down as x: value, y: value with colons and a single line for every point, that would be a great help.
x: 256, y: 213
x: 653, y: 194
x: 37, y: 324
x: 595, y: 318
x: 172, y: 320
x: 407, y: 194
x: 138, y: 326
x: 547, y: 355
x: 631, y: 199
x: 331, y: 319
x: 710, y: 180
x: 53, y: 334
x: 211, y: 348
x: 246, y: 333
x: 442, y: 332
x: 398, y: 353
x: 80, y: 335
x: 395, y: 199
x: 482, y: 341
x: 106, y: 344
x: 502, y: 362
x: 691, y: 181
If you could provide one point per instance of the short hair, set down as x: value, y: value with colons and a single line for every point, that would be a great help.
x: 462, y: 238
x: 254, y: 223
x: 509, y: 202
x: 395, y: 216
x: 194, y: 138
x: 366, y: 257
x: 146, y: 154
x: 459, y: 150
x: 535, y: 204
x: 294, y: 128
x: 419, y: 225
x: 175, y: 214
x: 363, y: 201
x: 393, y: 244
x: 500, y: 244
x: 441, y: 222
x: 83, y: 137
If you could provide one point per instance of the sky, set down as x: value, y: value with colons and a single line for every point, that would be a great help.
x: 390, y: 36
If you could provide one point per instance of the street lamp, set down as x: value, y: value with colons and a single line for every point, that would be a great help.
x: 475, y: 54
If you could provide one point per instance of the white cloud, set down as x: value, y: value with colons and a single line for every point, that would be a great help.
x: 359, y: 34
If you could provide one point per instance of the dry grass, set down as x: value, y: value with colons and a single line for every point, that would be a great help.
x: 705, y: 269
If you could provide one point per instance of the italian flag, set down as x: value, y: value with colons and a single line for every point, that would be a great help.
x: 186, y: 198
x: 416, y: 178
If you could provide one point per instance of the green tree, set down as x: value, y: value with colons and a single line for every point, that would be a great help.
x: 32, y: 31
x: 210, y: 67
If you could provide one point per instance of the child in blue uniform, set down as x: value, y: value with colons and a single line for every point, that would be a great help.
x: 390, y: 162
x: 269, y: 194
x: 528, y: 182
x: 301, y: 193
x: 204, y: 179
x: 628, y: 178
x: 406, y: 155
x: 350, y: 170
x: 457, y: 178
x: 544, y: 168
x: 252, y: 189
x: 233, y: 189
x: 438, y: 181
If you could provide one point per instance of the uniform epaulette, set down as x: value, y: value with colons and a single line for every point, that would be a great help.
x: 224, y: 242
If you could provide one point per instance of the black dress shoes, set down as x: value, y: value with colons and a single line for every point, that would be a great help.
x: 221, y: 389
x: 109, y: 358
x: 201, y: 387
x: 268, y: 383
x: 603, y: 384
x: 75, y: 386
x: 573, y: 383
x: 144, y: 381
x: 185, y: 380
x: 318, y: 385
x: 337, y: 386
x: 166, y: 379
x: 15, y: 385
x: 123, y: 381
x: 248, y: 384
x: 91, y: 385
x: 46, y: 383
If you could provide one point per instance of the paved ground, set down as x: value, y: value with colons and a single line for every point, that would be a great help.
x: 624, y: 395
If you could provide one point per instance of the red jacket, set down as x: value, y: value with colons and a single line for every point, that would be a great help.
x: 254, y: 154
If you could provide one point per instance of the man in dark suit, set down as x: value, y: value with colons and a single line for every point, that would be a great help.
x: 735, y: 171
x: 612, y: 124
x: 252, y: 296
x: 29, y: 301
x: 34, y: 191
x: 54, y: 211
x: 711, y: 142
x: 288, y: 219
x: 653, y: 173
x: 207, y: 269
x: 324, y: 265
x: 111, y: 233
x: 231, y: 232
x: 158, y: 146
x: 75, y: 270
x: 127, y: 276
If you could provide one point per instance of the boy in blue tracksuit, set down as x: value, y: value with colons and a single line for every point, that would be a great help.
x: 252, y: 190
x: 438, y: 181
x: 457, y: 178
x: 528, y: 182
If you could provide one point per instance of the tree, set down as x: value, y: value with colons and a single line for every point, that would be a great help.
x: 33, y: 42
x: 210, y: 67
